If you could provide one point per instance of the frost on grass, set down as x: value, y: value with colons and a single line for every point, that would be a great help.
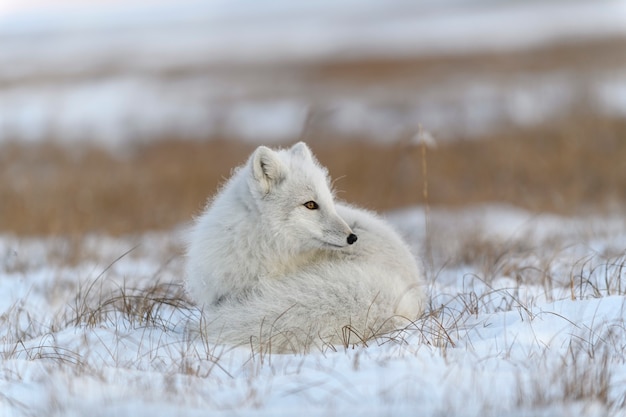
x: 526, y: 317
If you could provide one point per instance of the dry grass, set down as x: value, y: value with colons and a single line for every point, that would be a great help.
x: 140, y: 324
x: 568, y: 167
x: 47, y: 189
x: 582, y: 56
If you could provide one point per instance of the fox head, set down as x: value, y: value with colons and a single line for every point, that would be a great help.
x: 292, y: 194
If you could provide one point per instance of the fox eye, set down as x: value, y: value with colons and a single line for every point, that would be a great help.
x: 311, y: 205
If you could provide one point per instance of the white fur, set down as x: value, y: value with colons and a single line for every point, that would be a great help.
x: 268, y: 270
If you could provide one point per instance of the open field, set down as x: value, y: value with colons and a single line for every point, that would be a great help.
x: 526, y: 311
x: 118, y: 145
x: 118, y: 122
x: 526, y: 317
x: 570, y: 167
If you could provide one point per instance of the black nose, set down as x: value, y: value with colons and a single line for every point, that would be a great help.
x: 352, y: 238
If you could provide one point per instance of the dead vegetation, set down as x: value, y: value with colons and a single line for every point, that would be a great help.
x: 569, y: 167
x: 143, y: 324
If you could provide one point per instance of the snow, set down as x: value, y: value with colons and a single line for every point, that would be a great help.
x: 526, y: 318
x: 283, y: 31
x: 112, y: 73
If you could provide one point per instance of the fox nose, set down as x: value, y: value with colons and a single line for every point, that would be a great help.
x: 352, y: 238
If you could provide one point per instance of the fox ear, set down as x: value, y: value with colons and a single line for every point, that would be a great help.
x: 302, y: 150
x: 267, y: 168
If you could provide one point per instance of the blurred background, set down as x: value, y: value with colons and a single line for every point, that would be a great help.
x: 124, y: 116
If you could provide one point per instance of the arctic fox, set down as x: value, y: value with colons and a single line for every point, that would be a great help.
x: 277, y: 263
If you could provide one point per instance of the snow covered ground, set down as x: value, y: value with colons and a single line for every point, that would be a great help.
x: 139, y: 70
x: 527, y: 317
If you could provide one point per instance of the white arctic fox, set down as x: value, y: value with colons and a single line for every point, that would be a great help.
x: 276, y: 262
